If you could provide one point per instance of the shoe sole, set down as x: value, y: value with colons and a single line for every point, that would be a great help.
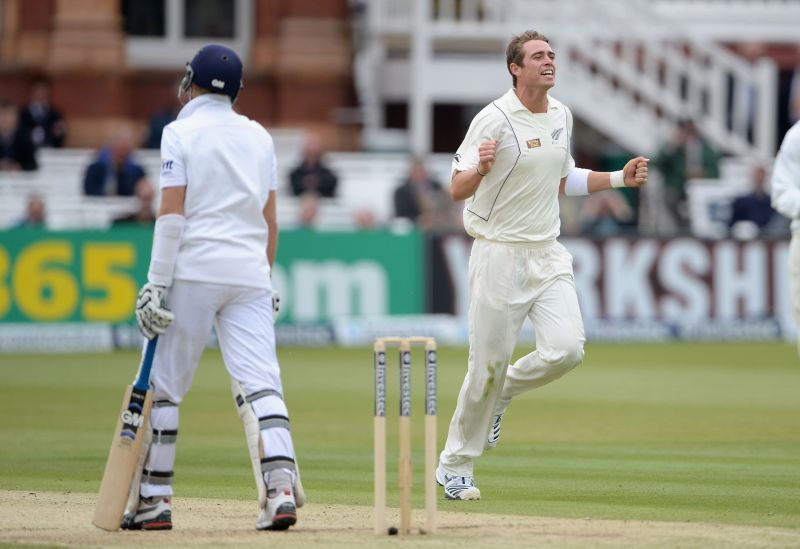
x: 157, y: 526
x: 281, y: 522
x: 471, y: 496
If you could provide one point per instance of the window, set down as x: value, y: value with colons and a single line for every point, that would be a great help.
x: 209, y: 18
x: 143, y: 17
x: 167, y: 33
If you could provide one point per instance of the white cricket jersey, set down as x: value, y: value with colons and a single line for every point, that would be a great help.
x: 785, y: 185
x: 227, y: 163
x: 518, y: 200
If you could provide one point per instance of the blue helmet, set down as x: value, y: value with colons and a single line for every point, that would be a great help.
x: 214, y: 68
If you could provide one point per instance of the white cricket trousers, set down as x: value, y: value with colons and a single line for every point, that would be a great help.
x: 794, y: 280
x: 243, y: 318
x: 507, y: 283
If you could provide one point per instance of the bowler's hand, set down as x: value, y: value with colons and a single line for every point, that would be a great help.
x: 487, y: 153
x: 635, y: 172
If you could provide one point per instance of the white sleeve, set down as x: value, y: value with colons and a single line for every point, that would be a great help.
x: 569, y: 162
x: 173, y: 168
x: 480, y: 130
x: 273, y: 175
x: 786, y: 175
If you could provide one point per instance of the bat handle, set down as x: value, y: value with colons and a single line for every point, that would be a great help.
x: 142, y: 382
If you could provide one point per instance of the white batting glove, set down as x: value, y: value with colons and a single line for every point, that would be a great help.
x: 276, y: 302
x: 152, y: 315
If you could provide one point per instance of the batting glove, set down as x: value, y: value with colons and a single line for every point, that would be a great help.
x: 152, y: 315
x: 276, y: 302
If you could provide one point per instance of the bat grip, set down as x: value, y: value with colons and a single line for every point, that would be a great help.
x: 142, y: 382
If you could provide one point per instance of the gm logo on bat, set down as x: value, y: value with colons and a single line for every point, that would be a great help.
x: 131, y: 421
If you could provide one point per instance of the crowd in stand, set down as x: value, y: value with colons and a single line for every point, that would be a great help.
x: 418, y: 199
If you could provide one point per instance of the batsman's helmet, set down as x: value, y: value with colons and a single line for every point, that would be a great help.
x: 214, y: 68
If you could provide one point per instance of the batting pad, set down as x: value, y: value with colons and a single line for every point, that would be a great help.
x: 274, y: 419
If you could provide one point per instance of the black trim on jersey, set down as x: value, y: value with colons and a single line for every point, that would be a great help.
x: 519, y: 154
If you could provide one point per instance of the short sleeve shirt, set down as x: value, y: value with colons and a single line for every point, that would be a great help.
x: 518, y: 200
x: 227, y: 163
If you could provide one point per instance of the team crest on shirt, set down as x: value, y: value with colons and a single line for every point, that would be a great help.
x: 533, y: 143
x: 556, y: 134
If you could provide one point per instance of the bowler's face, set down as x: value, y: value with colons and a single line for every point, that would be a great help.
x: 538, y: 67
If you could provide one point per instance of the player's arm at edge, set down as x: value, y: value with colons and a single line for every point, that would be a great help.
x: 172, y: 199
x: 271, y: 217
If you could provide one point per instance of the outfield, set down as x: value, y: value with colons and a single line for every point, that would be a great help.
x: 688, y: 433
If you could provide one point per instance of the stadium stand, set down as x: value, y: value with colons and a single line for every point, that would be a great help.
x: 366, y: 182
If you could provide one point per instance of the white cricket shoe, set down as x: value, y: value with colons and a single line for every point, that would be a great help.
x: 457, y: 488
x: 494, y: 433
x: 154, y: 513
x: 280, y: 512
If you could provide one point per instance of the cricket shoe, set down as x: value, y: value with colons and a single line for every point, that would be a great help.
x: 494, y: 433
x: 457, y: 488
x: 154, y: 513
x: 280, y: 512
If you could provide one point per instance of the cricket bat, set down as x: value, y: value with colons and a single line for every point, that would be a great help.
x: 123, y: 458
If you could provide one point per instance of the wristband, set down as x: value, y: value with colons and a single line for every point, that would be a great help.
x: 577, y: 182
x: 617, y: 179
x: 478, y: 169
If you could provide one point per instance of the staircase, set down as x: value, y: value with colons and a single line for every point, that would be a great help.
x: 630, y: 68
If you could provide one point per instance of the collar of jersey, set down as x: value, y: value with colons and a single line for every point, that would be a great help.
x: 201, y: 101
x: 513, y: 104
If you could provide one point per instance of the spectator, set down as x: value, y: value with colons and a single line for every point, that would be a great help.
x: 17, y: 151
x: 605, y: 214
x: 312, y: 175
x: 144, y: 213
x: 752, y: 213
x: 685, y: 157
x: 308, y: 210
x: 40, y: 120
x: 365, y: 219
x: 115, y: 172
x: 422, y: 200
x: 158, y: 122
x: 34, y: 213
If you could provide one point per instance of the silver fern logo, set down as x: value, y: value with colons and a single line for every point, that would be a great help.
x: 556, y: 134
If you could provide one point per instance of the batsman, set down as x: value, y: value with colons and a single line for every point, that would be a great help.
x: 214, y: 244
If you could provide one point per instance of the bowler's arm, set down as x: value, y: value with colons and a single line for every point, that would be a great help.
x: 634, y: 174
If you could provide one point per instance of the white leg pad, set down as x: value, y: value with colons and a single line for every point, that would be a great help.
x: 252, y: 431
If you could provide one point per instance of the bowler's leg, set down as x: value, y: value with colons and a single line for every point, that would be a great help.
x: 493, y: 326
x: 560, y: 337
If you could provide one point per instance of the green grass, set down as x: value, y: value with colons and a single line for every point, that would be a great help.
x: 683, y: 432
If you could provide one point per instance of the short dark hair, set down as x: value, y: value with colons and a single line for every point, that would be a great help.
x: 514, y: 53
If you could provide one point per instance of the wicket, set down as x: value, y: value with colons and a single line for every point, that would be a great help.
x: 405, y: 467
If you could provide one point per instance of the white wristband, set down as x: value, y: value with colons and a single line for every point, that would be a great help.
x: 577, y: 182
x: 617, y: 179
x: 166, y: 242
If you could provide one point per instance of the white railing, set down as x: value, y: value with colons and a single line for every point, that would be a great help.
x: 636, y: 50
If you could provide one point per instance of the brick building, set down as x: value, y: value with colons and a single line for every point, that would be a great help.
x: 110, y: 61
